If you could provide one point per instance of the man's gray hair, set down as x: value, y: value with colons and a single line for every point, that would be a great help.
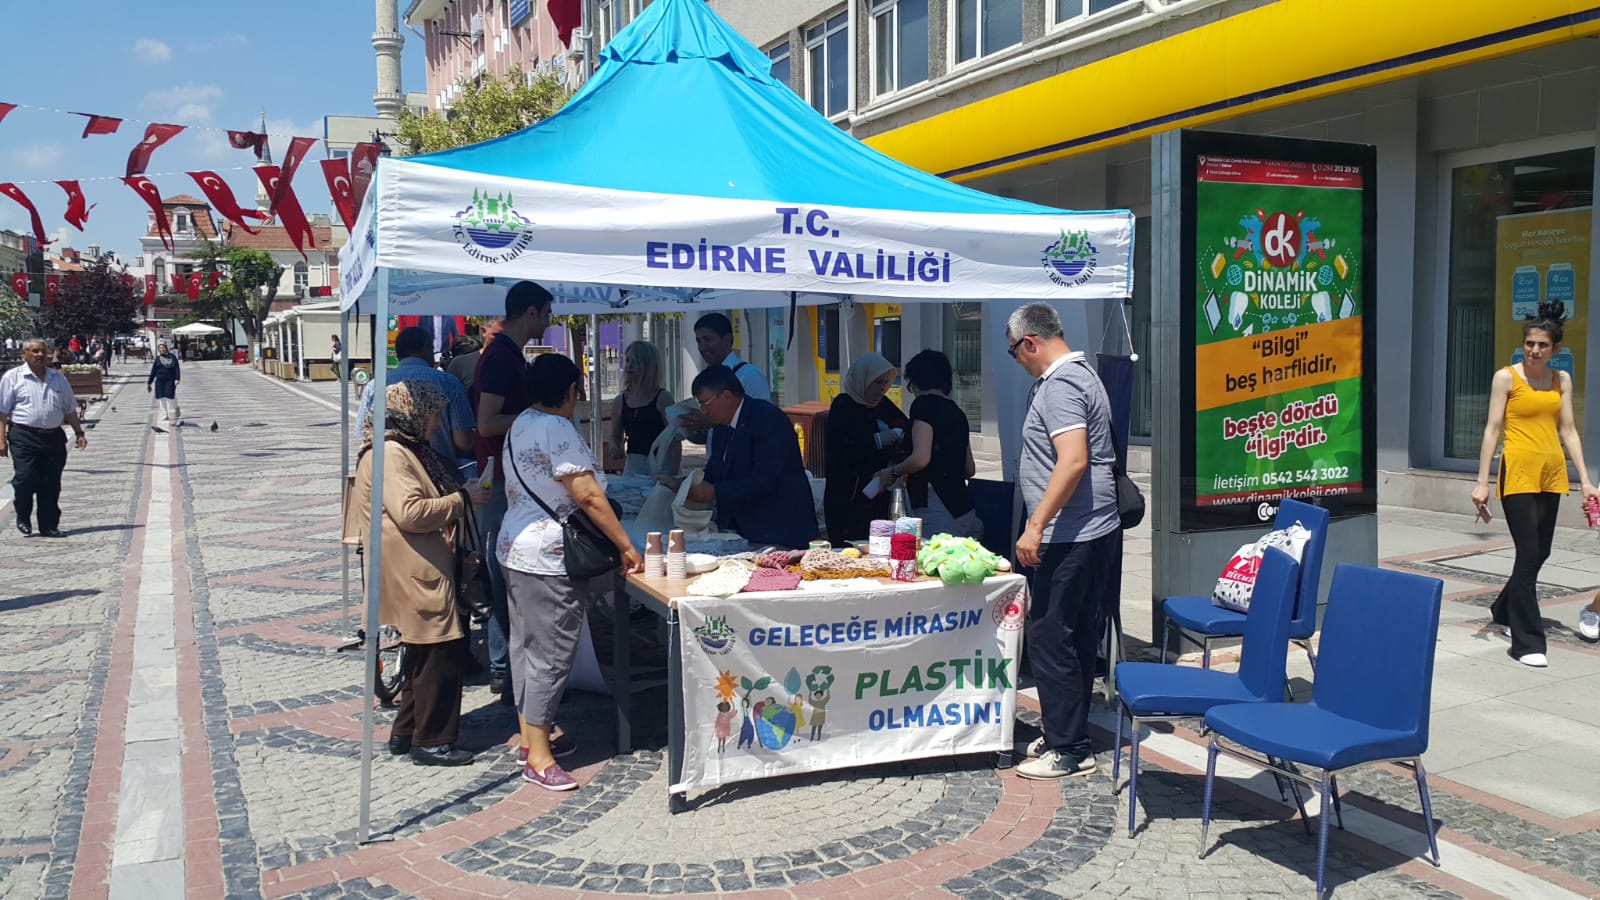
x: 29, y: 342
x: 1037, y: 319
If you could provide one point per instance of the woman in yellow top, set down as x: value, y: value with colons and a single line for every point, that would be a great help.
x: 1531, y: 404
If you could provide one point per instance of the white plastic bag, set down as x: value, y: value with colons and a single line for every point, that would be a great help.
x: 693, y: 518
x: 1237, y: 584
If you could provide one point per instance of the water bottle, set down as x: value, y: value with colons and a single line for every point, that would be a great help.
x: 898, y: 506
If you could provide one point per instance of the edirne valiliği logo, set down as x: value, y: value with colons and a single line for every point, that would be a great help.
x: 491, y: 230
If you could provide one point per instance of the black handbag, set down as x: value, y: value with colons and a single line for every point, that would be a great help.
x: 1130, y: 500
x: 587, y: 551
x: 472, y: 570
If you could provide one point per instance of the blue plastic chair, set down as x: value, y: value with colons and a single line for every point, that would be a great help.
x: 1157, y: 692
x: 1369, y: 703
x: 1199, y: 616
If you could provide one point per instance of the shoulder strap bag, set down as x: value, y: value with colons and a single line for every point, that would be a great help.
x: 1130, y: 500
x: 588, y: 552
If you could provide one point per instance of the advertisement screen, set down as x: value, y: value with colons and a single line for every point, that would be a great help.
x: 1278, y: 328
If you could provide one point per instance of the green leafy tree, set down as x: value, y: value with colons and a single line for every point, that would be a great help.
x: 488, y: 108
x: 16, y: 318
x: 96, y: 301
x: 244, y: 296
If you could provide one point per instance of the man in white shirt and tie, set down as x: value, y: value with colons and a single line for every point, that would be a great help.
x: 35, y: 401
x: 713, y: 337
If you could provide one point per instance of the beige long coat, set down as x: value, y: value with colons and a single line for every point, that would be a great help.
x: 416, y: 593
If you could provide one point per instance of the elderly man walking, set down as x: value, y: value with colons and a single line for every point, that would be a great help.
x: 1073, y: 537
x: 35, y: 401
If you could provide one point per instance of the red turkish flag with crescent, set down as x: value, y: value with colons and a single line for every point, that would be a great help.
x: 5, y: 110
x: 363, y: 165
x: 298, y: 147
x: 337, y: 172
x: 179, y: 284
x: 15, y: 193
x: 19, y: 285
x: 249, y: 140
x: 213, y: 280
x: 155, y: 134
x: 52, y: 289
x: 149, y: 290
x: 99, y: 124
x: 147, y: 190
x: 195, y: 281
x: 221, y: 198
x: 566, y: 15
x: 288, y: 209
x: 77, y: 208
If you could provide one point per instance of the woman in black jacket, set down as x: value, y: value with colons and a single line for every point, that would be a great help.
x: 865, y: 435
x: 164, y: 377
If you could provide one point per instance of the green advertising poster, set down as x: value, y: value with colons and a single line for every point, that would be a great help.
x: 1279, y: 337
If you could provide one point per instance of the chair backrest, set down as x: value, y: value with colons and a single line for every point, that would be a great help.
x: 995, y: 502
x: 1303, y: 621
x: 1375, y: 663
x: 1265, y: 653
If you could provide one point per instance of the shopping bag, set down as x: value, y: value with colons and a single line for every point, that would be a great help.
x: 1237, y: 583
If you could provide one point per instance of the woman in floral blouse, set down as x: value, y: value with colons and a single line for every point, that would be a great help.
x: 545, y: 455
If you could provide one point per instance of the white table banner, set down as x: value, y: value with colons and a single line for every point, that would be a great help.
x: 805, y: 681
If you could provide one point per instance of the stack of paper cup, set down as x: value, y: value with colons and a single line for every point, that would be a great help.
x: 878, y: 534
x: 676, y: 554
x: 655, y: 561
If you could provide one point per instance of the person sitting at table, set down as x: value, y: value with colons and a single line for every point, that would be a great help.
x: 865, y: 433
x: 754, y: 476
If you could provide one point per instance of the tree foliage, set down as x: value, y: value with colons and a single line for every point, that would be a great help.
x: 488, y: 108
x: 16, y: 318
x: 96, y: 301
x: 245, y: 294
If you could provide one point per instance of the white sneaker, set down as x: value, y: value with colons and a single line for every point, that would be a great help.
x: 1535, y: 660
x: 1035, y: 749
x: 1589, y: 624
x: 1055, y: 764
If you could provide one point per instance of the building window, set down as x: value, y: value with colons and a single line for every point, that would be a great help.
x: 608, y: 26
x: 1519, y: 238
x: 302, y: 277
x: 986, y: 26
x: 828, y: 65
x: 161, y: 275
x: 899, y: 44
x: 1072, y: 9
x: 181, y: 222
x: 962, y: 334
x: 781, y: 66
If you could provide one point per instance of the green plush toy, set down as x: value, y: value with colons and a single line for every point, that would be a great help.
x: 958, y: 560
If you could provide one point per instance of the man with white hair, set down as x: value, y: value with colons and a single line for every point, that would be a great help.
x: 35, y: 401
x: 1073, y: 537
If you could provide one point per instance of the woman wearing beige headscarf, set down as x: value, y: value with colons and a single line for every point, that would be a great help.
x: 865, y: 435
x: 423, y: 500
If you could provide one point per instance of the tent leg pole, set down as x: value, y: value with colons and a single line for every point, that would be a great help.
x: 374, y: 558
x: 344, y: 458
x: 596, y: 429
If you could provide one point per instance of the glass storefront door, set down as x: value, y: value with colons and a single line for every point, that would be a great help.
x: 962, y: 334
x: 1519, y: 238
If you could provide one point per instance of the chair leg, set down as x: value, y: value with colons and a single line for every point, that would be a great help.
x: 1427, y: 808
x: 1166, y: 639
x: 1205, y: 651
x: 1133, y: 776
x: 1338, y: 809
x: 1311, y: 654
x: 1116, y: 750
x: 1299, y: 802
x: 1322, y: 836
x: 1205, y: 806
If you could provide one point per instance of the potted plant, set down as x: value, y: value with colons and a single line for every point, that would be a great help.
x: 85, y: 379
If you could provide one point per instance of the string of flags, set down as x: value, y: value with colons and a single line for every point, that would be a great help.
x: 188, y: 285
x: 347, y: 180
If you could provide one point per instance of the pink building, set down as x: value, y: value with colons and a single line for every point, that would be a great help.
x: 468, y: 38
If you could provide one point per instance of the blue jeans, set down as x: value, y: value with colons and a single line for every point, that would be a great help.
x: 490, y: 518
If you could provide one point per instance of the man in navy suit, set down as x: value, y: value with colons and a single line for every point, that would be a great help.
x: 754, y: 475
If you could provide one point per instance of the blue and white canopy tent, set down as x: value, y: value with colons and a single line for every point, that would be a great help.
x: 683, y: 174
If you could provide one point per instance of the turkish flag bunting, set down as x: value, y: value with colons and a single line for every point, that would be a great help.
x: 15, y: 193
x: 221, y: 197
x: 213, y: 280
x: 566, y: 15
x: 52, y: 289
x: 179, y: 284
x: 291, y: 163
x: 155, y: 135
x: 19, y: 285
x: 249, y: 140
x: 363, y: 165
x: 288, y: 209
x: 77, y: 208
x: 149, y: 290
x: 5, y: 110
x: 100, y: 124
x: 337, y: 172
x: 147, y: 190
x: 195, y: 281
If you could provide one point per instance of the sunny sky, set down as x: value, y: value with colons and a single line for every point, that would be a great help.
x: 183, y: 62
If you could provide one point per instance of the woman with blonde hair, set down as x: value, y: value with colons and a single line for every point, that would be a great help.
x: 638, y: 416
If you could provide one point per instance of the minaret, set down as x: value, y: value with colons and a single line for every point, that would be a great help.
x: 263, y: 201
x: 386, y: 43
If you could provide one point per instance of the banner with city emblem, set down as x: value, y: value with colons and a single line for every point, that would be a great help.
x: 812, y: 680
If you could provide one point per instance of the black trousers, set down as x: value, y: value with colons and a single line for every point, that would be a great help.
x: 1076, y: 586
x: 1532, y: 520
x: 37, y: 460
x: 430, y: 705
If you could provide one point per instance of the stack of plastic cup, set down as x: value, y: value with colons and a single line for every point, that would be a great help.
x: 676, y: 554
x: 878, y: 535
x: 903, y: 557
x: 655, y: 561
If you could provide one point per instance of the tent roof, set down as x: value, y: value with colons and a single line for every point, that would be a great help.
x: 682, y: 104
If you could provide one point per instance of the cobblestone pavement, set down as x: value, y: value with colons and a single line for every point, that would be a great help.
x: 271, y: 730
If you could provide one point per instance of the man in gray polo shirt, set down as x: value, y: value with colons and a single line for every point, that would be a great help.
x: 1073, y: 537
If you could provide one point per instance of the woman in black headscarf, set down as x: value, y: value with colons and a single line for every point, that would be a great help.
x: 164, y: 377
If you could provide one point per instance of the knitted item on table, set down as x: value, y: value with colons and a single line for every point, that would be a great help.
x: 773, y: 580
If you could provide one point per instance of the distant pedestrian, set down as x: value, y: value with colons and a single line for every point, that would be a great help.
x: 165, y: 373
x: 464, y: 365
x: 35, y: 401
x: 1530, y: 405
